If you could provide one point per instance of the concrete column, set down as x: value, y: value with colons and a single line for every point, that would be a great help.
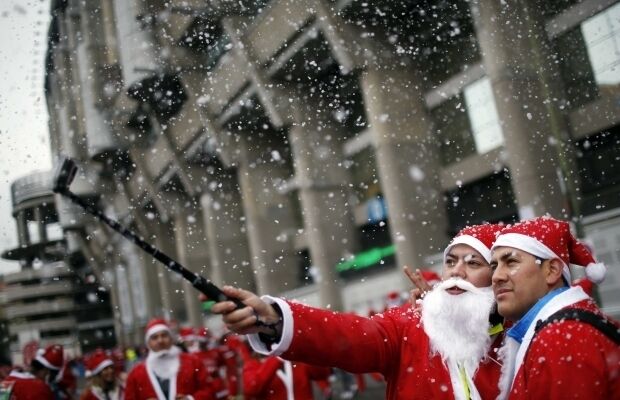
x: 407, y: 159
x: 170, y: 283
x: 69, y: 141
x: 193, y: 255
x: 226, y: 233
x: 323, y: 191
x: 269, y: 215
x: 147, y: 269
x: 518, y: 60
x: 90, y: 62
x: 22, y: 229
x: 41, y: 226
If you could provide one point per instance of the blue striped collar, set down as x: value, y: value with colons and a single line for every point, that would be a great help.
x: 517, y: 331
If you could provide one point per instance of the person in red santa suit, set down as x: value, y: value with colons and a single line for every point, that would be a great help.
x: 277, y: 379
x: 442, y: 351
x: 167, y: 373
x: 561, y: 345
x: 35, y: 385
x: 234, y: 350
x: 104, y: 384
x: 196, y: 342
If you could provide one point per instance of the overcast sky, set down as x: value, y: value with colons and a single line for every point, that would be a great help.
x: 24, y: 134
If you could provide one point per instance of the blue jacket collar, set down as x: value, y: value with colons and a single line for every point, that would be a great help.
x: 517, y: 331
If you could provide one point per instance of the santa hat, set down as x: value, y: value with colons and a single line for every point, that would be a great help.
x: 393, y: 300
x: 547, y: 238
x: 187, y: 333
x: 203, y: 334
x: 585, y: 284
x: 154, y: 326
x: 52, y: 357
x: 96, y: 362
x: 478, y: 237
x: 431, y: 277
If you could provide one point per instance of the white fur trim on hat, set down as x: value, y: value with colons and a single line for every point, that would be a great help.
x: 155, y: 329
x: 46, y: 363
x: 596, y: 272
x: 472, y: 242
x: 102, y: 365
x: 530, y: 245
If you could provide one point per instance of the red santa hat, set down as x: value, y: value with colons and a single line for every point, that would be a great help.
x: 393, y: 299
x: 97, y: 362
x: 187, y: 333
x: 478, y: 237
x: 154, y: 326
x: 52, y: 357
x: 203, y: 334
x: 547, y: 238
x: 430, y: 276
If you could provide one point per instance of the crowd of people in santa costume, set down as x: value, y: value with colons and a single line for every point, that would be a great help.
x: 504, y: 321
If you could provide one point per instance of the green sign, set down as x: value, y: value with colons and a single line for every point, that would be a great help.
x: 366, y: 258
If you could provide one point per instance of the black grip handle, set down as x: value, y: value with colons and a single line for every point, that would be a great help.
x: 213, y: 292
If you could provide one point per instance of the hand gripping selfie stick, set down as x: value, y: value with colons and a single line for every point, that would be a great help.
x: 63, y: 177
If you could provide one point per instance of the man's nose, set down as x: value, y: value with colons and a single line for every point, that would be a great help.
x: 499, y: 276
x: 459, y: 270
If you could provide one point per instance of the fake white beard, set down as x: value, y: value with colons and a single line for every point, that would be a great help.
x: 458, y: 325
x: 165, y: 363
x: 194, y: 348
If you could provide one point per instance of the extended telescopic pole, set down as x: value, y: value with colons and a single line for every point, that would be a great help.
x: 62, y: 180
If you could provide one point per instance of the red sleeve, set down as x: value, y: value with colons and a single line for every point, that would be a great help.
x: 571, y: 358
x: 131, y: 389
x: 318, y: 373
x: 257, y: 375
x: 333, y: 339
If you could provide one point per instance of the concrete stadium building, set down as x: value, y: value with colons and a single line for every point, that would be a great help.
x: 310, y: 148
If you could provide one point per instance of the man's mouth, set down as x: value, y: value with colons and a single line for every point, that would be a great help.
x: 501, y: 292
x: 455, y: 290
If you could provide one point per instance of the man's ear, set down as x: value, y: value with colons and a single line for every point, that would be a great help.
x: 554, y: 271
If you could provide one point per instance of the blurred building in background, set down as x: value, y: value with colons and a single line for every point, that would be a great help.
x: 310, y: 148
x: 55, y: 298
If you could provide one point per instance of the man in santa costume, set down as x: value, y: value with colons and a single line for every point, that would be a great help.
x: 197, y: 342
x: 443, y: 351
x: 104, y: 384
x: 277, y: 379
x: 167, y: 373
x: 35, y: 385
x: 552, y: 351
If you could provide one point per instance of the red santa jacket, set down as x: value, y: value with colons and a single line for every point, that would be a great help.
x: 95, y: 393
x: 235, y: 352
x: 191, y: 380
x: 213, y: 361
x: 276, y: 379
x: 24, y: 386
x: 568, y: 359
x: 393, y: 343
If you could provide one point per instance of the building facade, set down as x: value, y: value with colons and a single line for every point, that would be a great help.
x: 55, y: 298
x: 311, y: 147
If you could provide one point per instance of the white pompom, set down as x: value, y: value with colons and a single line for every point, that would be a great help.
x: 596, y: 272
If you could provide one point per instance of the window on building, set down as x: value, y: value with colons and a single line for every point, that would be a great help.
x: 452, y: 128
x: 598, y: 159
x: 575, y: 68
x: 483, y: 116
x: 489, y: 199
x: 601, y: 34
x: 589, y: 58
